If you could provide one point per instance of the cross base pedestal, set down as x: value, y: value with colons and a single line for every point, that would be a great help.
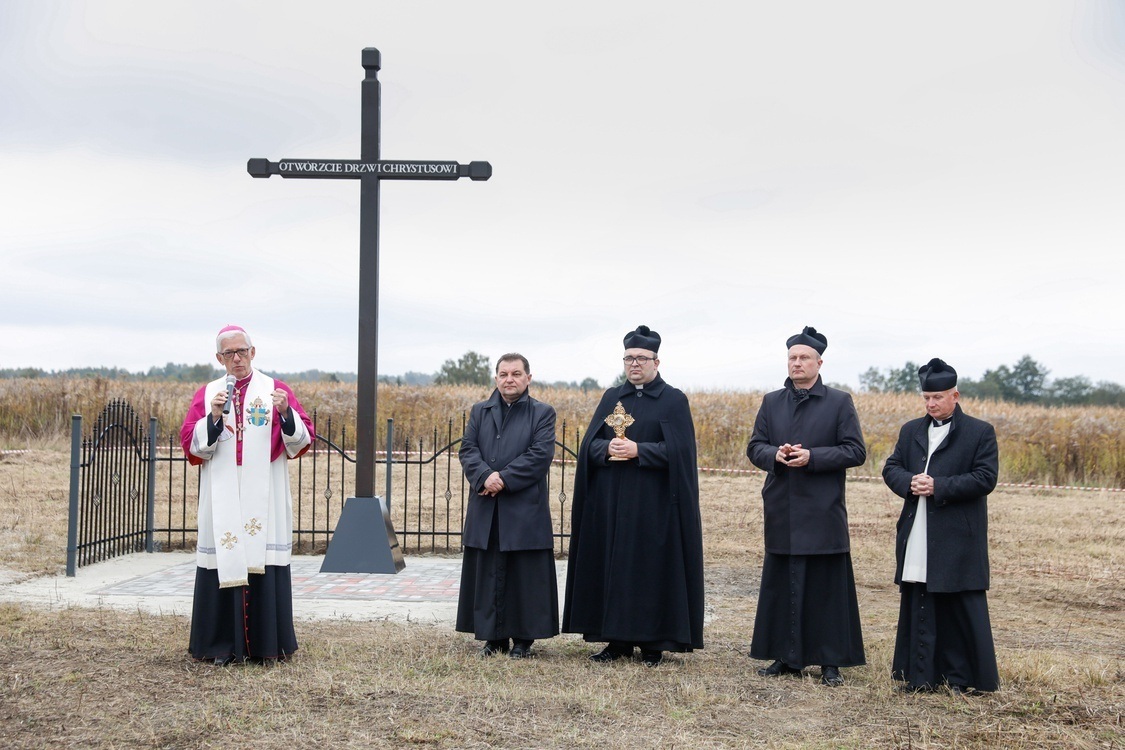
x: 364, y: 540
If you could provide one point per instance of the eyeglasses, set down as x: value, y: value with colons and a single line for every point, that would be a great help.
x: 231, y: 354
x: 637, y: 360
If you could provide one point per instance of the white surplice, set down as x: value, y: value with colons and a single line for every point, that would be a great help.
x: 914, y: 562
x: 245, y: 512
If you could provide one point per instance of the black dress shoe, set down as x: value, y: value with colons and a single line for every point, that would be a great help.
x: 909, y: 689
x: 961, y: 689
x: 494, y: 647
x: 222, y: 661
x: 612, y: 652
x: 521, y: 649
x: 831, y: 677
x: 651, y: 658
x: 777, y: 668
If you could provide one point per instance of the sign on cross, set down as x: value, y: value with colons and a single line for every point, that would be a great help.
x: 387, y: 170
x: 370, y: 170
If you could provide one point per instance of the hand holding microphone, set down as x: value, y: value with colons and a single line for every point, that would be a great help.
x: 230, y: 393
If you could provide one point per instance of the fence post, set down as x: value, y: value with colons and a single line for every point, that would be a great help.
x: 72, y: 521
x: 390, y: 459
x: 150, y: 510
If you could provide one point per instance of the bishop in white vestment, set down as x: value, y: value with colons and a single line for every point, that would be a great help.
x: 243, y: 604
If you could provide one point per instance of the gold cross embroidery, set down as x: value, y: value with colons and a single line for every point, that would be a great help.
x: 229, y: 540
x: 253, y: 527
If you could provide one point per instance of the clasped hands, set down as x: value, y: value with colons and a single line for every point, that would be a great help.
x: 922, y: 485
x: 493, y: 485
x: 793, y: 455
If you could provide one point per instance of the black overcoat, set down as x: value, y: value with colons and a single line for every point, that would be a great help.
x: 805, y: 512
x: 964, y: 468
x: 635, y: 568
x: 521, y: 449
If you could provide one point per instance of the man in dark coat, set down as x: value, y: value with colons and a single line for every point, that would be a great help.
x: 805, y: 437
x: 943, y: 466
x: 508, y: 584
x: 635, y: 573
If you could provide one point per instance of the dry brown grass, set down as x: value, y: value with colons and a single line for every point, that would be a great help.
x: 102, y: 679
x: 1044, y: 445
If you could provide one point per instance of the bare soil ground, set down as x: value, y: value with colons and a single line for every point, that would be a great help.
x: 103, y: 679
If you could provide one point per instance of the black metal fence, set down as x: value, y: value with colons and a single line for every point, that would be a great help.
x: 131, y: 491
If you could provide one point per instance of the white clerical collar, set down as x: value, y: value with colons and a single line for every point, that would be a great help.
x: 639, y: 386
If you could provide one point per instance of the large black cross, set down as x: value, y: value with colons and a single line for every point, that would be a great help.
x: 370, y: 171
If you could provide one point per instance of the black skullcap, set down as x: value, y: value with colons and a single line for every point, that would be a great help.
x: 935, y: 376
x: 809, y: 337
x: 643, y: 338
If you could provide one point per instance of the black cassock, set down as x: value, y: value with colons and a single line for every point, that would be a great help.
x: 508, y: 594
x: 944, y: 631
x: 635, y: 571
x: 807, y: 612
x: 243, y: 623
x: 944, y: 639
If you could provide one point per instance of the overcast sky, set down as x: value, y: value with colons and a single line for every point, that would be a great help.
x: 912, y: 179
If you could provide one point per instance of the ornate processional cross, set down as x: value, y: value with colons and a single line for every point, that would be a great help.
x: 618, y: 420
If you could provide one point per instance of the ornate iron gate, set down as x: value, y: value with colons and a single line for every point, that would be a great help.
x: 111, y: 481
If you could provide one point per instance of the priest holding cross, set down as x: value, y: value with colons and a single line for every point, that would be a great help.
x: 635, y: 573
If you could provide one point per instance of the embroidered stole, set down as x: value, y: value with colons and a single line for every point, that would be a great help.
x: 240, y: 495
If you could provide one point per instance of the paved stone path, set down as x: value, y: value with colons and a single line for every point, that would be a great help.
x: 163, y: 582
x: 423, y: 580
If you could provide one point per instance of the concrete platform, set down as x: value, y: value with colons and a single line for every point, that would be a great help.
x: 162, y: 582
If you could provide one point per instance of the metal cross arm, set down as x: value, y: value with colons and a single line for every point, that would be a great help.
x: 347, y: 169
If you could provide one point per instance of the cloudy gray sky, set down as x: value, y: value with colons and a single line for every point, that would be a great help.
x: 913, y: 179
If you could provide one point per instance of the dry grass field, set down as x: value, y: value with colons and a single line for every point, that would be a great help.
x: 104, y: 679
x: 1042, y: 445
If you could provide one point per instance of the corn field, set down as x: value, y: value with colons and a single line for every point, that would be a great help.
x: 1083, y: 446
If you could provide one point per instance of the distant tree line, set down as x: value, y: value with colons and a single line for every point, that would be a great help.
x: 408, y: 378
x: 1025, y: 382
x: 474, y: 368
x: 171, y: 372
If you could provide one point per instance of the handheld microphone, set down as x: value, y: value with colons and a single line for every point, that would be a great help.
x: 230, y: 393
